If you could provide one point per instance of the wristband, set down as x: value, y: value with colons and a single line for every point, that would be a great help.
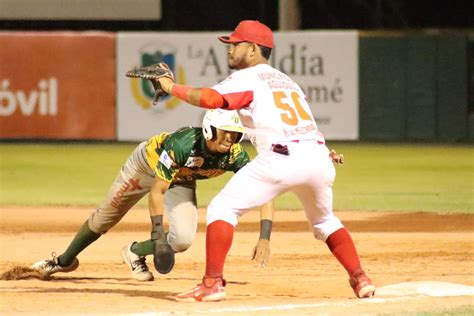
x: 157, y: 231
x: 265, y: 229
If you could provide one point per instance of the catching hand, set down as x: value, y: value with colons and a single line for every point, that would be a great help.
x: 163, y: 256
x: 261, y: 252
x: 154, y: 73
x: 336, y: 158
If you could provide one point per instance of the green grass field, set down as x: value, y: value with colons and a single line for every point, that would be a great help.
x: 388, y: 177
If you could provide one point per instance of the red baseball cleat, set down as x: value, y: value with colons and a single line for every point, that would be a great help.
x: 362, y: 285
x: 210, y: 290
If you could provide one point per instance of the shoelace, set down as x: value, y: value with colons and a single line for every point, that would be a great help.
x: 51, y: 264
x: 140, y: 264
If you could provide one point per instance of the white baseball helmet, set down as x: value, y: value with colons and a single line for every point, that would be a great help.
x: 224, y: 120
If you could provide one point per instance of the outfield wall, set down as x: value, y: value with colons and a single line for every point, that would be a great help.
x: 416, y: 87
x: 361, y: 86
x: 57, y: 85
x: 323, y: 63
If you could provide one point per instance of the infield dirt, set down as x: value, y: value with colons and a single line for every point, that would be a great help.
x: 302, y: 278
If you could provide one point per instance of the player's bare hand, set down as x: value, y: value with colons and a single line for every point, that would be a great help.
x: 336, y: 158
x: 261, y: 252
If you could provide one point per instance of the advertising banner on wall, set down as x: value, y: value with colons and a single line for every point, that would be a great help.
x: 324, y: 64
x: 57, y: 85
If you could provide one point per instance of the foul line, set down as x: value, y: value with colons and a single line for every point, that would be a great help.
x: 243, y: 309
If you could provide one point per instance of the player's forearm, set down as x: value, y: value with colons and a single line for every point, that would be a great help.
x: 155, y: 203
x: 155, y: 206
x: 267, y: 211
x: 201, y: 97
x: 156, y: 197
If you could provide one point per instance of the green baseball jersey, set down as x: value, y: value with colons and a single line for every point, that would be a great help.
x: 182, y: 156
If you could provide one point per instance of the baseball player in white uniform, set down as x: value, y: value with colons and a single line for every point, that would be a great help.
x: 292, y: 156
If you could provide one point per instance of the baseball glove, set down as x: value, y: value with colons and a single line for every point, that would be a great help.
x: 153, y: 73
x: 163, y: 256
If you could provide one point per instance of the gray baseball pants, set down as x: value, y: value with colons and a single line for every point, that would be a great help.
x: 132, y: 183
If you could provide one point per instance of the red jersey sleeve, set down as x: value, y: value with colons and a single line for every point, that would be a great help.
x: 238, y: 100
x: 211, y: 99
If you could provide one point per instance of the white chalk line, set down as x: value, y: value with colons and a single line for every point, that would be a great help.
x: 387, y: 294
x: 280, y: 307
x: 392, y: 293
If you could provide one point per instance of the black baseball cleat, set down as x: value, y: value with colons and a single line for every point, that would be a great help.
x: 163, y: 257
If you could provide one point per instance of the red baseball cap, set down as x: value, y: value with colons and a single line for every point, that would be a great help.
x: 250, y: 31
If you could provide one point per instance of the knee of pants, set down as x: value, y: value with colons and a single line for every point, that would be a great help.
x: 101, y: 224
x: 180, y: 242
x: 218, y: 211
x: 324, y: 229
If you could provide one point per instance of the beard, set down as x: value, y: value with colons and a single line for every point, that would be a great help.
x: 231, y: 64
x: 236, y: 64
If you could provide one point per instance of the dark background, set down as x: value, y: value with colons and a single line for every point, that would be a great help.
x: 213, y: 15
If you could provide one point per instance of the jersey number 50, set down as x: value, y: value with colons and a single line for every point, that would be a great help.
x: 292, y: 107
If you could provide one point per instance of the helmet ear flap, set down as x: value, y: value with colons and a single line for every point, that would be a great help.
x: 213, y: 133
x: 239, y: 137
x: 209, y: 131
x: 206, y: 130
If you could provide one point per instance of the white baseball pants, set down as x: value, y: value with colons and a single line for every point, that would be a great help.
x: 307, y: 171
